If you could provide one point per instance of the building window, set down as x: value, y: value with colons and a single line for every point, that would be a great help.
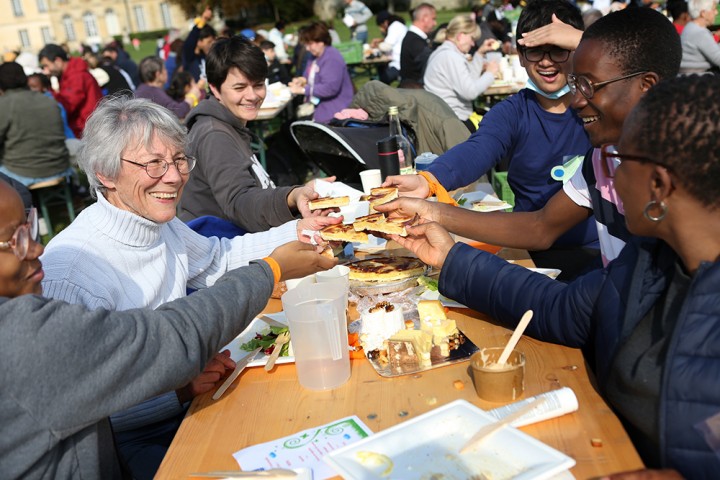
x: 46, y: 35
x: 17, y: 8
x: 42, y: 6
x: 139, y: 18
x: 24, y: 38
x: 91, y: 28
x: 69, y: 28
x: 165, y: 15
x: 111, y: 22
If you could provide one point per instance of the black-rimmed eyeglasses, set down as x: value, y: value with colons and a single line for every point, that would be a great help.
x: 158, y: 168
x: 19, y: 243
x: 588, y: 88
x: 611, y: 159
x: 556, y: 54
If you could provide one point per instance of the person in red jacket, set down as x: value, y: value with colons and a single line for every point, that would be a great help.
x: 79, y: 91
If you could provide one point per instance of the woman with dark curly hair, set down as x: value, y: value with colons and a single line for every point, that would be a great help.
x: 652, y: 317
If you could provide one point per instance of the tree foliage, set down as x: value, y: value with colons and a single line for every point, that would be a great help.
x: 251, y: 12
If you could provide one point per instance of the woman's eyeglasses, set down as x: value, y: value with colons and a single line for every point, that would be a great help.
x: 20, y: 241
x: 557, y: 55
x: 588, y: 88
x: 611, y: 159
x: 158, y: 168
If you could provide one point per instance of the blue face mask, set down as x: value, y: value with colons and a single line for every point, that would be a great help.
x: 552, y: 96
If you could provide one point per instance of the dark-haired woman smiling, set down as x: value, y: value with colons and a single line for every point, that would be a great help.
x: 652, y: 317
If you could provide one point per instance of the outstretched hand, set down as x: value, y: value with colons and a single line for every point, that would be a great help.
x: 407, y: 207
x: 315, y: 224
x: 297, y: 260
x: 300, y: 197
x: 555, y: 33
x: 429, y: 241
x: 409, y: 185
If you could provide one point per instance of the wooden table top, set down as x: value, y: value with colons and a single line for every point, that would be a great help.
x: 262, y: 406
x: 268, y: 113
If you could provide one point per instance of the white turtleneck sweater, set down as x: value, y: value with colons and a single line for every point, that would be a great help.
x: 114, y: 259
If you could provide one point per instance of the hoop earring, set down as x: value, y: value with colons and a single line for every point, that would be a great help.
x: 652, y: 204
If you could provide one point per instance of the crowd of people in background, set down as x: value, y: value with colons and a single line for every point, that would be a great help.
x: 169, y: 155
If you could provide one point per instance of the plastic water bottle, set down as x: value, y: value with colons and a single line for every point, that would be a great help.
x: 404, y: 150
x: 423, y: 161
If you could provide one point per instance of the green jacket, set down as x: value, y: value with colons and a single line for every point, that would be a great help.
x: 436, y: 126
x: 32, y: 137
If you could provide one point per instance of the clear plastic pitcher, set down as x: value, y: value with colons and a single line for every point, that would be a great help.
x: 318, y: 330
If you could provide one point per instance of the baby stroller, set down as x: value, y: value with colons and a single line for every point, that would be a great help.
x: 343, y: 150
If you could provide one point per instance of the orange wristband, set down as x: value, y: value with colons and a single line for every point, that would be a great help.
x: 438, y: 190
x: 275, y: 267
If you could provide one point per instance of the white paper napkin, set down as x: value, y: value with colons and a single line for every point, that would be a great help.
x: 336, y: 189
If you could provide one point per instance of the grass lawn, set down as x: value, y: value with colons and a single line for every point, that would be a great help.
x: 148, y: 47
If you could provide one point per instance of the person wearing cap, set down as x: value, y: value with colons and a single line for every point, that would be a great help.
x: 394, y: 29
x: 248, y: 33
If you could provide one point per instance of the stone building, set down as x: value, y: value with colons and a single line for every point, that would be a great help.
x: 27, y: 25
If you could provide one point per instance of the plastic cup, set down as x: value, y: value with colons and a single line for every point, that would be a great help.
x: 294, y: 282
x: 353, y: 211
x: 493, y: 56
x: 494, y: 384
x: 423, y: 161
x: 318, y: 328
x: 339, y: 275
x: 370, y: 179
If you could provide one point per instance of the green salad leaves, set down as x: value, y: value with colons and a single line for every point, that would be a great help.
x: 267, y: 342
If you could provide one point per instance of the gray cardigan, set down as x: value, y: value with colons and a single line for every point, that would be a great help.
x: 227, y: 181
x: 65, y: 369
x: 699, y: 50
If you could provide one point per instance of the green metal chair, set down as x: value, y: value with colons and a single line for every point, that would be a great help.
x: 52, y: 192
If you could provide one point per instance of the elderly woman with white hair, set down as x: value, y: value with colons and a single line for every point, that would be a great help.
x: 450, y: 75
x: 700, y: 51
x: 133, y: 154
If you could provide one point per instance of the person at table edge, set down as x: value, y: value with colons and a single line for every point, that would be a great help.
x: 229, y: 182
x: 652, y: 316
x: 535, y: 130
x: 54, y: 414
x: 651, y: 52
x: 143, y: 256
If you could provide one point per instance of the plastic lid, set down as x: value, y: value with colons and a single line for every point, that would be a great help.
x: 393, y: 110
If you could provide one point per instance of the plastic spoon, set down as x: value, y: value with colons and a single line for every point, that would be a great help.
x: 527, y: 316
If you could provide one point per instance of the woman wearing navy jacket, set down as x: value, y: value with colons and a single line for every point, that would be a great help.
x: 652, y: 317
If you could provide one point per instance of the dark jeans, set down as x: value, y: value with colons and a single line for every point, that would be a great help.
x: 143, y: 449
x: 388, y: 74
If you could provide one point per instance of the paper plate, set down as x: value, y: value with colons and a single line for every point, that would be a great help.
x: 428, y: 447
